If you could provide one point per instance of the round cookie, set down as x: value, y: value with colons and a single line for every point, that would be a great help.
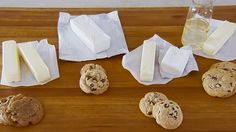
x: 94, y: 81
x: 168, y: 114
x: 219, y: 83
x: 227, y: 66
x: 23, y: 111
x: 148, y: 101
x: 3, y: 107
x: 89, y: 67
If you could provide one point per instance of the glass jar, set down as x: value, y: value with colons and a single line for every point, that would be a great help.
x: 197, y: 23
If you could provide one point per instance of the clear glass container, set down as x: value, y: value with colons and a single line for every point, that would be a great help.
x: 197, y: 23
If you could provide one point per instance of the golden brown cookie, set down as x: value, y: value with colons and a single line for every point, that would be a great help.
x: 168, y: 114
x: 94, y: 81
x: 227, y: 66
x: 148, y: 101
x: 21, y: 111
x: 218, y: 82
x: 89, y: 67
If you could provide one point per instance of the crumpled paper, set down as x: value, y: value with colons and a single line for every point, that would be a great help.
x: 71, y: 48
x: 227, y: 52
x: 132, y: 61
x: 48, y: 54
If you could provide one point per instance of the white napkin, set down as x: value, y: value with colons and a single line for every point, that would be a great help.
x: 48, y: 54
x: 71, y: 48
x: 132, y: 60
x: 227, y: 52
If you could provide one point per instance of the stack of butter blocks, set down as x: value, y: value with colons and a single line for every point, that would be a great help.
x: 11, y: 62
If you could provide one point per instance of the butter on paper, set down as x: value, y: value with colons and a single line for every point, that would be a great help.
x: 131, y: 62
x: 48, y: 54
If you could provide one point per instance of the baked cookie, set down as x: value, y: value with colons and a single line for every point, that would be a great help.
x: 4, y: 102
x: 227, y: 66
x: 94, y: 81
x: 89, y: 67
x: 20, y: 111
x: 168, y: 114
x: 148, y: 101
x: 219, y: 83
x: 23, y: 111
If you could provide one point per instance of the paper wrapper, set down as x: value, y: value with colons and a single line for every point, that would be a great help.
x: 132, y: 62
x: 71, y: 48
x: 48, y: 54
x: 227, y: 52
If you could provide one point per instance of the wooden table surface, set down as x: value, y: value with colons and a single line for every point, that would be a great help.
x: 67, y: 108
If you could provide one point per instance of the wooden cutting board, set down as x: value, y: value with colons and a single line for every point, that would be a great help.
x: 67, y: 108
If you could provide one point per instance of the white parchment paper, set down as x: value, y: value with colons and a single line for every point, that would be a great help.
x: 71, y: 48
x: 48, y: 54
x: 132, y: 61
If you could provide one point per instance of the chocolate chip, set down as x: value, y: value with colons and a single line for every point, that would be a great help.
x: 176, y: 112
x: 218, y: 85
x: 175, y: 117
x: 214, y: 78
x: 171, y: 102
x: 166, y: 105
x: 88, y: 77
x: 225, y: 69
x: 171, y: 114
x: 173, y: 108
x: 93, y: 89
x: 177, y: 107
x: 162, y: 102
x: 233, y: 69
x: 149, y: 113
x: 231, y: 84
x: 91, y: 67
x: 94, y: 79
x: 229, y: 91
x: 103, y: 80
x: 91, y: 85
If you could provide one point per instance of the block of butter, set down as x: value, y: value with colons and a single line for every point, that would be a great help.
x: 148, y: 61
x: 174, y: 62
x: 90, y: 33
x: 35, y: 63
x: 218, y: 38
x: 11, y: 62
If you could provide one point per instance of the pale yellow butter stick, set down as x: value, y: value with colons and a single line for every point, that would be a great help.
x: 35, y: 63
x: 11, y: 62
x: 218, y: 38
x: 148, y: 61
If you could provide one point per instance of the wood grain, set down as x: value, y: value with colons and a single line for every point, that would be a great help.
x: 67, y: 108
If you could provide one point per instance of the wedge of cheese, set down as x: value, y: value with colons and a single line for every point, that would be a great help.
x: 90, y: 33
x: 35, y: 63
x: 218, y: 38
x: 148, y: 61
x: 11, y: 62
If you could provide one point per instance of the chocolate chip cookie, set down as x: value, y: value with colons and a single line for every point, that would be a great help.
x: 218, y: 82
x: 227, y: 66
x: 94, y: 81
x: 89, y: 67
x: 148, y: 101
x: 168, y: 114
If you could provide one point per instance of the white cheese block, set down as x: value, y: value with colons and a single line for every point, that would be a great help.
x: 148, y: 61
x: 218, y: 38
x: 174, y: 62
x: 11, y: 61
x: 35, y: 63
x: 90, y: 33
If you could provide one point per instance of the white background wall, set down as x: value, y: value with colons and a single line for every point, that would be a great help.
x: 103, y: 3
